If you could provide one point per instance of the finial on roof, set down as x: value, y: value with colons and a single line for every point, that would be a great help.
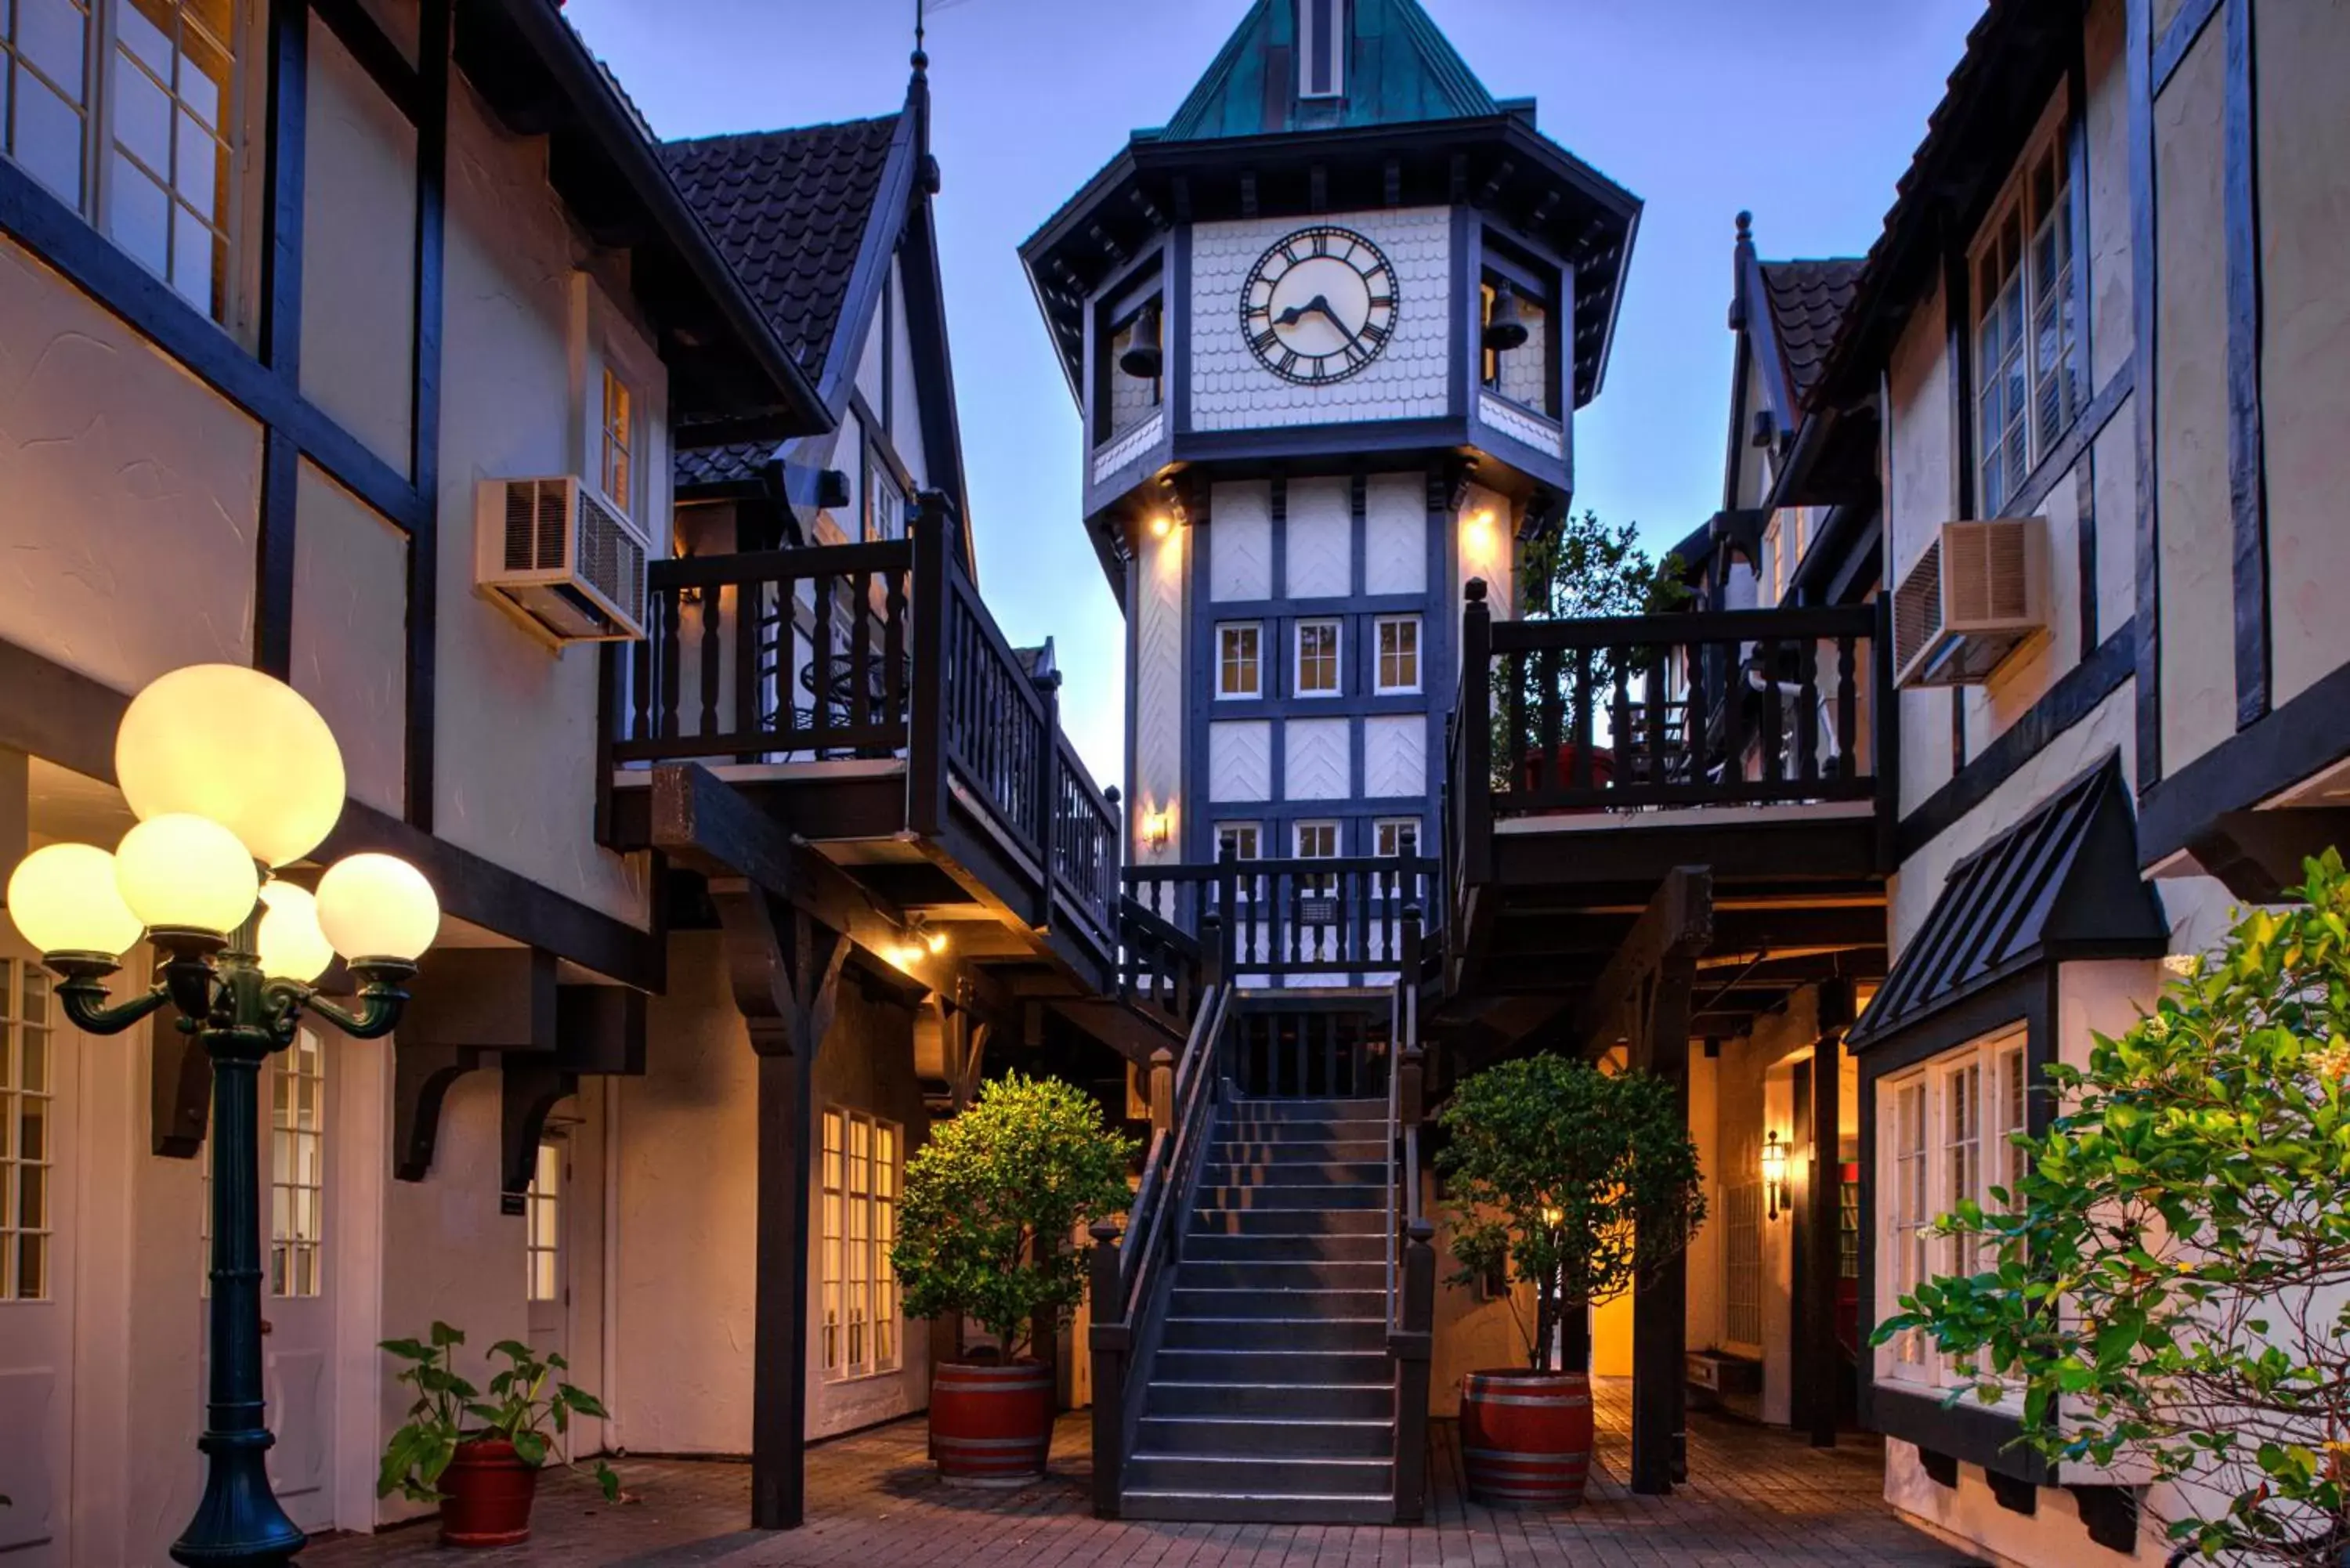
x: 1745, y: 228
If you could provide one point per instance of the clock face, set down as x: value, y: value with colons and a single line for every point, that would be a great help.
x: 1319, y: 305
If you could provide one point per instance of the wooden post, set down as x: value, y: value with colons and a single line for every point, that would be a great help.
x: 1112, y: 1338
x: 1409, y: 1347
x: 1048, y: 794
x: 1885, y: 737
x: 1824, y: 1252
x: 1162, y: 1090
x: 1473, y: 786
x: 926, y: 750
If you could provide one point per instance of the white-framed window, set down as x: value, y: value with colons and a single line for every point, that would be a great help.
x: 542, y: 1225
x: 1240, y: 661
x: 27, y: 1124
x: 297, y: 1167
x: 1242, y: 838
x: 1315, y: 841
x: 2026, y: 307
x: 1943, y: 1141
x: 134, y: 112
x: 1321, y: 48
x: 860, y: 1332
x: 1318, y: 659
x: 1399, y: 654
x: 618, y: 442
x: 1392, y: 836
x: 885, y: 503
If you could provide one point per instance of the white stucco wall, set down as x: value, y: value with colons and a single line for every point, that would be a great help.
x: 1395, y: 534
x: 359, y: 253
x: 1240, y: 550
x: 1161, y: 568
x: 2107, y: 247
x: 351, y: 633
x: 1318, y: 540
x: 2305, y: 204
x: 523, y: 335
x: 130, y: 486
x: 1231, y: 391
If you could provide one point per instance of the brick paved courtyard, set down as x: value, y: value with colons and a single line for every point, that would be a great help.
x: 1756, y: 1498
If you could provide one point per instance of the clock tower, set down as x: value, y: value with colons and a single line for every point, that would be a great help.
x: 1328, y: 327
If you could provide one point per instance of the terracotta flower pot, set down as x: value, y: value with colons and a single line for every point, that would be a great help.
x: 1525, y: 1437
x: 992, y: 1425
x: 485, y: 1495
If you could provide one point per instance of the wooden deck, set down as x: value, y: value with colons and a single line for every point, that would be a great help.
x: 1758, y: 1498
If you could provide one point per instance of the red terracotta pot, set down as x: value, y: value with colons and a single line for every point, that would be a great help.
x: 1525, y: 1437
x: 485, y: 1495
x: 992, y: 1425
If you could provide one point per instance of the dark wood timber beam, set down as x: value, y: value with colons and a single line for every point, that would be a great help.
x: 1824, y: 1215
x: 1676, y: 927
x: 1665, y: 945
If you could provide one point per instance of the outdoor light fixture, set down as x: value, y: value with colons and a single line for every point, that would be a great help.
x: 1162, y: 525
x: 930, y: 938
x: 229, y: 772
x: 1157, y: 828
x: 1774, y: 1173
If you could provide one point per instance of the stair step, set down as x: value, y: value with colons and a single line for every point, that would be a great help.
x: 1266, y: 1151
x: 1243, y: 1436
x: 1285, y: 1247
x: 1224, y: 1362
x: 1283, y: 1274
x: 1215, y: 1220
x: 1169, y: 1506
x: 1296, y: 1401
x: 1371, y: 1173
x: 1303, y: 1129
x: 1260, y: 1475
x: 1294, y: 1195
x: 1264, y: 1332
x: 1294, y: 1110
x: 1321, y: 1302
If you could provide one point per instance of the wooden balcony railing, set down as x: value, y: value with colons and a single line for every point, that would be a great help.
x: 1716, y: 708
x: 879, y: 653
x: 1278, y: 919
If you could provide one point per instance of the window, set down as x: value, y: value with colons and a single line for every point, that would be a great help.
x: 1521, y: 374
x: 1128, y: 398
x: 616, y: 440
x: 1911, y: 1214
x: 1239, y: 838
x: 1396, y: 836
x: 1741, y: 1265
x: 1239, y: 671
x: 2008, y: 1163
x: 152, y: 159
x: 1321, y: 48
x: 542, y: 1219
x: 1317, y: 841
x: 1962, y: 1166
x: 1318, y: 659
x: 885, y: 503
x: 26, y: 1156
x: 298, y: 1178
x: 2026, y: 388
x: 859, y: 1330
x: 1399, y: 653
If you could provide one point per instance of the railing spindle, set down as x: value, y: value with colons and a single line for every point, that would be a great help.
x: 1807, y: 709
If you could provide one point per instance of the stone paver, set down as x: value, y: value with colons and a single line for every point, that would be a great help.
x: 1756, y: 1499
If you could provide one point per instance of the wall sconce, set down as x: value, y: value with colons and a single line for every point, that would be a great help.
x: 1157, y: 828
x: 1774, y: 1173
x: 1162, y: 525
x: 931, y: 939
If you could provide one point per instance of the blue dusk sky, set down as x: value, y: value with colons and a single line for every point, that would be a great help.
x: 1804, y: 111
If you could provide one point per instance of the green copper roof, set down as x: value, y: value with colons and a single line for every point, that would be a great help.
x: 1400, y: 69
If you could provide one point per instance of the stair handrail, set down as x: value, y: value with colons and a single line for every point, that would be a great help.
x: 1411, y: 1258
x: 1129, y: 1260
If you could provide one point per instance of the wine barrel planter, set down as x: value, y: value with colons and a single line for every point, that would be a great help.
x: 485, y: 1495
x: 992, y: 1425
x: 1525, y: 1437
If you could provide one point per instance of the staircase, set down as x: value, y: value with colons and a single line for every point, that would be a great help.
x: 1272, y: 1396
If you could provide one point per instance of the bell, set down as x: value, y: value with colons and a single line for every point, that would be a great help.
x: 1142, y: 361
x: 1504, y: 328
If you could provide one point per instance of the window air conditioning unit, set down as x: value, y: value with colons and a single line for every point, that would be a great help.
x: 1978, y: 592
x: 571, y: 568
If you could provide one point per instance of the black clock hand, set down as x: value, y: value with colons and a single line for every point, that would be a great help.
x: 1295, y: 313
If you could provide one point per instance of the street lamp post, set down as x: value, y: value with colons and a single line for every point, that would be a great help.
x: 231, y: 773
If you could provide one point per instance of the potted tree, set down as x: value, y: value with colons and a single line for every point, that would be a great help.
x: 993, y: 1203
x: 1570, y: 1181
x: 477, y: 1452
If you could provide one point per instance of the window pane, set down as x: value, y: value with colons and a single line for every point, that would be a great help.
x: 32, y: 1268
x: 138, y: 215
x: 204, y: 78
x: 47, y: 137
x: 142, y: 117
x: 51, y: 36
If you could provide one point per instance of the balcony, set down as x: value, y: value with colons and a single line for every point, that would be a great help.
x: 1589, y: 759
x: 862, y: 698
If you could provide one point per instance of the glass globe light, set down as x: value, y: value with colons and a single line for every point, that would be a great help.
x: 374, y: 906
x: 290, y: 944
x: 235, y: 745
x: 187, y: 872
x: 64, y: 899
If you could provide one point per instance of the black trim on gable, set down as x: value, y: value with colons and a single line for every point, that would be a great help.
x: 2247, y: 446
x: 2305, y: 735
x: 285, y: 153
x: 2187, y: 24
x: 355, y: 28
x: 2143, y: 347
x: 433, y: 25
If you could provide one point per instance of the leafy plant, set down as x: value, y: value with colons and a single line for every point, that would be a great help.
x: 993, y: 1200
x: 2167, y: 1284
x: 449, y: 1410
x: 1574, y: 1178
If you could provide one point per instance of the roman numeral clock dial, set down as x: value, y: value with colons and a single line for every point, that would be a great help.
x: 1319, y: 305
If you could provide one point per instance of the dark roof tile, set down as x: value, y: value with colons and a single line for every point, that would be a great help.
x: 1808, y: 300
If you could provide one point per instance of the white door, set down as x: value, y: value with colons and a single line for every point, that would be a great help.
x: 547, y: 1248
x: 38, y: 1056
x: 297, y: 1171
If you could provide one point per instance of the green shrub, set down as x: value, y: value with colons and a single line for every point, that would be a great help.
x: 994, y: 1198
x: 1550, y: 1161
x: 518, y: 1408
